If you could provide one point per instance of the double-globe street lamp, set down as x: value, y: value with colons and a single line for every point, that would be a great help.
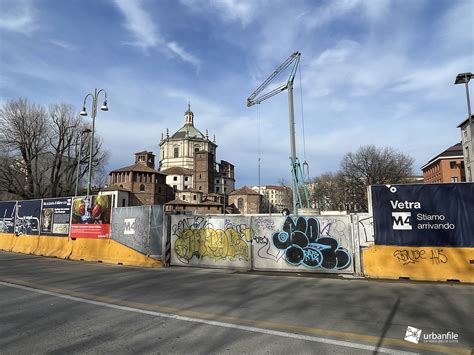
x: 81, y: 143
x: 104, y: 107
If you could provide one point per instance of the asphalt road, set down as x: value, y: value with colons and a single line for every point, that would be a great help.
x: 58, y: 306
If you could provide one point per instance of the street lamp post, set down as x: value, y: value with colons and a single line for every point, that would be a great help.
x: 81, y: 142
x: 464, y: 78
x: 104, y: 107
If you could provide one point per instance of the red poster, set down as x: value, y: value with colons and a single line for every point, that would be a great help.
x: 91, y: 217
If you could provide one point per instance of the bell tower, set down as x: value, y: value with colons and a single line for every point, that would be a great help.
x: 189, y: 116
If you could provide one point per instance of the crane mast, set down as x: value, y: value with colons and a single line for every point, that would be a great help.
x: 256, y: 98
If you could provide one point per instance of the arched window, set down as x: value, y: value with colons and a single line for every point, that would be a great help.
x: 240, y: 203
x: 142, y: 188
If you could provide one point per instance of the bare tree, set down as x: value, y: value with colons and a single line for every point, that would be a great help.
x: 41, y: 149
x: 328, y: 192
x: 370, y: 165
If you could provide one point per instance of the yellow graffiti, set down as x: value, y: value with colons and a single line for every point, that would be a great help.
x: 214, y: 243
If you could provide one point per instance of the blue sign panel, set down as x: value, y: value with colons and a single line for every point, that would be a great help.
x: 424, y: 214
x: 28, y: 217
x: 7, y: 216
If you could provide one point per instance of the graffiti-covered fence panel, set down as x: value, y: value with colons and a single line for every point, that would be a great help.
x: 303, y: 243
x: 7, y: 216
x: 140, y: 228
x: 212, y: 241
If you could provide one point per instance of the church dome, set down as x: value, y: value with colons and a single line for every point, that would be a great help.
x: 188, y: 130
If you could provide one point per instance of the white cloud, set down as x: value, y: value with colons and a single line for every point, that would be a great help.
x: 139, y: 23
x: 183, y: 54
x: 18, y: 17
x: 243, y: 11
x: 62, y: 44
x: 146, y: 33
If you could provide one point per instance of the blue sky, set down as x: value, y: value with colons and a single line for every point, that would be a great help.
x: 372, y: 72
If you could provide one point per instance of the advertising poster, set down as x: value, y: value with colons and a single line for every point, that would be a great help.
x: 7, y: 216
x: 424, y: 214
x: 55, y: 216
x: 90, y: 217
x: 28, y: 216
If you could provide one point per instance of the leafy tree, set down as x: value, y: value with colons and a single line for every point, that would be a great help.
x: 41, y: 149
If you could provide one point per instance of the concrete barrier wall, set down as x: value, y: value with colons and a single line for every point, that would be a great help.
x: 108, y: 251
x: 310, y: 243
x: 419, y: 263
x: 211, y: 241
x: 313, y: 244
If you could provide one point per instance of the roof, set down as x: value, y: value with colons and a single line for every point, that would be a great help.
x: 144, y: 152
x: 244, y: 191
x: 465, y: 121
x: 114, y: 188
x: 177, y: 170
x: 188, y: 131
x: 181, y: 202
x: 454, y: 151
x: 137, y: 167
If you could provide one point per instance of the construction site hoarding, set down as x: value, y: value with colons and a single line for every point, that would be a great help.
x: 424, y: 214
x: 56, y: 216
x: 91, y: 217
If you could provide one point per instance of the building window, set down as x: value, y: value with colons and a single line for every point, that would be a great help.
x: 199, y: 187
x: 142, y: 188
x: 240, y: 203
x: 217, y: 190
x: 185, y: 187
x: 225, y: 189
x: 186, y: 178
x: 175, y: 188
x: 454, y: 179
x: 208, y: 207
x: 194, y: 197
x: 159, y: 189
x: 452, y: 164
x: 184, y: 197
x: 225, y: 182
x: 467, y: 154
x: 176, y: 152
x: 175, y: 178
x: 217, y: 181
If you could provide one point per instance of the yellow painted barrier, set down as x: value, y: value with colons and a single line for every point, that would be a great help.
x: 59, y: 247
x: 6, y: 241
x: 419, y: 263
x: 105, y: 250
x: 25, y: 244
x: 109, y: 251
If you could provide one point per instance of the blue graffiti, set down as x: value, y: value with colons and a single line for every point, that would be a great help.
x: 303, y: 244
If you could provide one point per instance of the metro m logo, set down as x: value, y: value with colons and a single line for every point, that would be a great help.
x: 129, y: 226
x: 401, y: 220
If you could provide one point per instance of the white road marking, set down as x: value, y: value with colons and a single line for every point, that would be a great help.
x: 211, y: 322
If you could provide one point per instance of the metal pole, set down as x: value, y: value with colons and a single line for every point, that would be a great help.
x: 78, y: 163
x: 91, y: 145
x: 293, y: 147
x: 470, y: 128
x: 468, y: 102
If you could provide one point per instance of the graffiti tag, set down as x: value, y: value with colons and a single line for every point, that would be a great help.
x: 303, y: 244
x: 438, y: 257
x: 199, y: 239
x: 409, y: 256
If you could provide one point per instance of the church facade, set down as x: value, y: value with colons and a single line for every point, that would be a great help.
x: 188, y: 158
